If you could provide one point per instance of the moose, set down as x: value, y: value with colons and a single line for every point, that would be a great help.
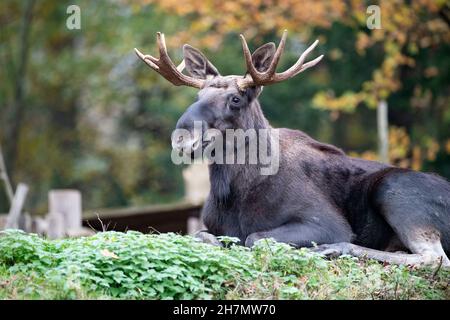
x: 320, y: 198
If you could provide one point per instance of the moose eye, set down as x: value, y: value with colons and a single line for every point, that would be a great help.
x: 235, y: 100
x: 235, y: 103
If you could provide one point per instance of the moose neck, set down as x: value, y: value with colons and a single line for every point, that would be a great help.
x: 229, y: 181
x: 256, y: 119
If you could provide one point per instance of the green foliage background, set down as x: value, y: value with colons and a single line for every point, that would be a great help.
x: 96, y: 119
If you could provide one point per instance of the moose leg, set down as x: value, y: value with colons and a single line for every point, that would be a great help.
x: 346, y: 248
x: 302, y: 234
x: 206, y: 237
x: 415, y: 205
x: 427, y: 244
x: 420, y: 237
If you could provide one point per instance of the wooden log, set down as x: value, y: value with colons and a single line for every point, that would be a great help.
x: 68, y: 204
x: 64, y: 212
x: 153, y: 218
x: 39, y: 225
x: 55, y: 225
x: 12, y: 221
x: 25, y: 222
x: 82, y: 232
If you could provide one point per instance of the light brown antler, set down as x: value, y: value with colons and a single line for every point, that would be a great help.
x: 270, y: 76
x: 165, y: 67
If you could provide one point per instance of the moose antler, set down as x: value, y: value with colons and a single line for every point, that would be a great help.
x: 165, y: 67
x: 270, y: 76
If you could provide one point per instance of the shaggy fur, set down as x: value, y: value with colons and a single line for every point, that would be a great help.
x: 319, y: 195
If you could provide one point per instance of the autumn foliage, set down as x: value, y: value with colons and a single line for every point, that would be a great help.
x: 78, y: 109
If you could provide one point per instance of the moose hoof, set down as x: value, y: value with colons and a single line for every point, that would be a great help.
x: 333, y: 250
x: 251, y: 239
x: 207, y: 237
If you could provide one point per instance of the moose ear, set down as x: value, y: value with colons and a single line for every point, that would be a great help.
x: 197, y: 64
x: 262, y: 57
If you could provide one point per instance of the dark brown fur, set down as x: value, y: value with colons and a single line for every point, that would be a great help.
x: 319, y: 195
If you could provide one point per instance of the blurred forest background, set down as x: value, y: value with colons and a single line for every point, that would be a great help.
x: 79, y: 110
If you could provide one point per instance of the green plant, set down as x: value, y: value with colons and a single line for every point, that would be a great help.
x: 133, y: 265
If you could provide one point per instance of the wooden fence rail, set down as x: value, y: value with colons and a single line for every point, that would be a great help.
x: 177, y: 217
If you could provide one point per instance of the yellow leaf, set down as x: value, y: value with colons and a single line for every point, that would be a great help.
x: 109, y: 254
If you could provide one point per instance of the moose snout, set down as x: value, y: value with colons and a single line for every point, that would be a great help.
x: 188, y: 134
x: 185, y: 141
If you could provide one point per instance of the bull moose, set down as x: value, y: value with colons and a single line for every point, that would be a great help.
x: 320, y: 197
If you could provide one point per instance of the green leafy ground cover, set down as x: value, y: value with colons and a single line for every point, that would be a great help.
x: 114, y: 265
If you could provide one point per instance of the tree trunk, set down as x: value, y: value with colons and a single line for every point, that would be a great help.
x: 65, y: 212
x: 17, y: 110
x: 383, y: 131
x: 5, y: 178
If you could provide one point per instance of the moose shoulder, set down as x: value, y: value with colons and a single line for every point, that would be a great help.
x: 318, y: 195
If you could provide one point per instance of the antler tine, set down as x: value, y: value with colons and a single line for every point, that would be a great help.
x: 161, y: 41
x: 310, y: 64
x: 165, y: 67
x: 270, y: 76
x: 248, y: 58
x: 277, y: 55
x: 148, y: 59
x: 298, y: 66
x: 181, y: 66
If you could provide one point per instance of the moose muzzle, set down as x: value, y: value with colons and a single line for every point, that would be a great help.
x: 186, y: 141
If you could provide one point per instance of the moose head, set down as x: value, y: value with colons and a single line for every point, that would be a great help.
x: 224, y: 102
